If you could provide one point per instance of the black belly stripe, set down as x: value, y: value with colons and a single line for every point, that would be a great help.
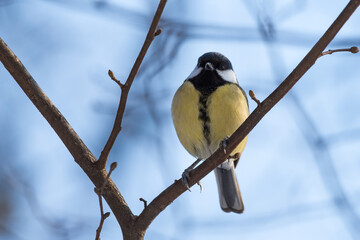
x: 204, y: 117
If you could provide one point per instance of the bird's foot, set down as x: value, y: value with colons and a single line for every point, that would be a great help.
x: 185, y: 179
x: 224, y: 143
x: 185, y: 176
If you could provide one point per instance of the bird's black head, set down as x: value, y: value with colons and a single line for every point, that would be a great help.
x: 212, y: 71
x: 217, y: 60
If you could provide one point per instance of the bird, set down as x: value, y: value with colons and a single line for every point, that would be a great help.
x: 206, y: 109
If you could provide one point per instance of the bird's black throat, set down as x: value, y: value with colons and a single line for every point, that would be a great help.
x: 207, y: 82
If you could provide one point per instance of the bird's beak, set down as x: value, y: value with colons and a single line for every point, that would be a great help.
x: 209, y: 66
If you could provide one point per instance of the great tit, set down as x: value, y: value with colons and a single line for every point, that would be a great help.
x: 207, y: 108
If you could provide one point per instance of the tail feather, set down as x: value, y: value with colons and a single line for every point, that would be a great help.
x: 229, y: 191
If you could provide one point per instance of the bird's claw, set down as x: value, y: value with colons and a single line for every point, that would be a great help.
x: 185, y: 177
x: 224, y: 143
x: 201, y: 187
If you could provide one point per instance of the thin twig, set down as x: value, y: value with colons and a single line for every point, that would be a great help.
x: 100, y: 192
x: 352, y: 50
x: 145, y: 202
x: 102, y: 218
x: 165, y: 198
x: 152, y: 33
x: 252, y: 95
x: 112, y: 76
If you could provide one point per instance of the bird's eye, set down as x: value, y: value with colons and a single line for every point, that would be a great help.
x: 222, y: 67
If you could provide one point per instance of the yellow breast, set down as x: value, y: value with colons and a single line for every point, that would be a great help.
x: 226, y: 109
x: 185, y: 115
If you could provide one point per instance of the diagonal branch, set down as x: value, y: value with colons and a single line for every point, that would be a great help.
x: 82, y: 155
x: 152, y: 33
x: 66, y: 133
x: 165, y: 198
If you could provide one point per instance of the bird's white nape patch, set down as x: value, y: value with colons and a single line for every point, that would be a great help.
x: 227, y: 75
x: 195, y: 72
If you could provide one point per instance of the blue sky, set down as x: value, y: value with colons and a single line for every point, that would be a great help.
x: 304, y: 154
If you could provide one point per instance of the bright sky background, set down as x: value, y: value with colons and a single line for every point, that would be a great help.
x: 299, y: 174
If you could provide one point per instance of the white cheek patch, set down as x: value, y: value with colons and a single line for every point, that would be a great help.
x: 227, y: 75
x: 195, y: 72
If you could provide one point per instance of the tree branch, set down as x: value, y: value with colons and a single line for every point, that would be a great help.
x: 82, y: 155
x: 152, y: 33
x: 165, y: 198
